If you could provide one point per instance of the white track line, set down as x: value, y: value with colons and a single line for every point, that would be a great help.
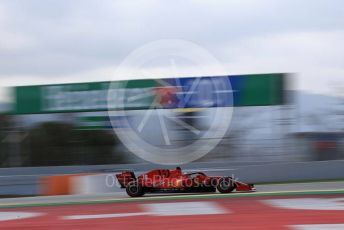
x: 318, y: 227
x: 103, y: 216
x: 5, y: 216
x: 163, y: 209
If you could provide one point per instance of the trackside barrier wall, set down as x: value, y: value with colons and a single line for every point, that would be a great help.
x: 28, y: 181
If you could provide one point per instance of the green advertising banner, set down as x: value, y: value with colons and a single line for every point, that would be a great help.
x: 246, y: 90
x: 79, y: 97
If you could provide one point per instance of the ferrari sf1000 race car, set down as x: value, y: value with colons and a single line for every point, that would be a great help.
x: 165, y: 180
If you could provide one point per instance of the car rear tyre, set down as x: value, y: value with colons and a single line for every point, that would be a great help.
x: 134, y: 189
x: 225, y: 185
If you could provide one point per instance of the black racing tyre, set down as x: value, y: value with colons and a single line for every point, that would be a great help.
x: 225, y: 185
x: 134, y: 189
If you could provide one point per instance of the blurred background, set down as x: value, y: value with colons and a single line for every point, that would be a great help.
x: 68, y: 124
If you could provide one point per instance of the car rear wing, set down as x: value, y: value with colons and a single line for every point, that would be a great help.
x: 125, y: 178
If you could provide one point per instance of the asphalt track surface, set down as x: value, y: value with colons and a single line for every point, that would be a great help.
x: 280, y: 206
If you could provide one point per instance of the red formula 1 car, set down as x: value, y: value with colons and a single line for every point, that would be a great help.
x: 165, y: 180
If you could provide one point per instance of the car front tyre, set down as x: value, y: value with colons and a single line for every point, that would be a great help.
x: 225, y: 185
